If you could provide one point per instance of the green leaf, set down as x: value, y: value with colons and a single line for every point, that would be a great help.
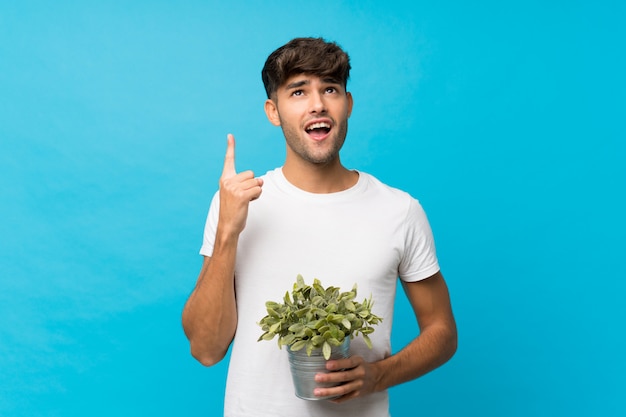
x: 302, y: 312
x: 267, y: 336
x: 346, y: 323
x: 326, y: 350
x: 287, y: 340
x: 367, y: 330
x: 300, y: 281
x: 287, y: 300
x: 367, y: 340
x: 298, y: 345
x: 295, y: 328
x: 318, y: 300
x: 318, y: 287
x: 335, y: 342
x: 317, y: 340
x: 317, y: 325
x: 272, y: 304
x: 274, y: 328
x: 333, y: 330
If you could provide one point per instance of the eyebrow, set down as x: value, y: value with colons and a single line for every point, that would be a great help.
x: 297, y: 84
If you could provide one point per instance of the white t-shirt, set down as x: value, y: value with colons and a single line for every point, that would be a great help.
x: 370, y: 234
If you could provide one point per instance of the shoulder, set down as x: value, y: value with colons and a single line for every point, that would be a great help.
x: 393, y: 199
x: 377, y: 186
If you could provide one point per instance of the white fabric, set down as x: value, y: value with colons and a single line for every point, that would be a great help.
x: 369, y: 234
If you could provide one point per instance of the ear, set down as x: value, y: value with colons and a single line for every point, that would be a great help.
x: 271, y: 111
x: 350, y: 103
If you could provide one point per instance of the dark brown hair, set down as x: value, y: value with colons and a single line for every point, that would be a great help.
x: 313, y: 56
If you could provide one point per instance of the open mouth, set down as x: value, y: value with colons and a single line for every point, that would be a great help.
x: 318, y: 130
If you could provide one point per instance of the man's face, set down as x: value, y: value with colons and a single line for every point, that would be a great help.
x: 313, y: 114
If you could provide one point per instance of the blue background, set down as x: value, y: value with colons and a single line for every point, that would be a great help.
x: 506, y: 120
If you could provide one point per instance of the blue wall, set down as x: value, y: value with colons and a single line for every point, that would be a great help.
x: 506, y: 120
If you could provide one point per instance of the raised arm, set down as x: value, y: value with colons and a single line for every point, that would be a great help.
x: 435, y: 344
x: 210, y: 314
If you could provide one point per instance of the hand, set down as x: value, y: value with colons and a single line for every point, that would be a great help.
x: 357, y: 377
x: 236, y: 192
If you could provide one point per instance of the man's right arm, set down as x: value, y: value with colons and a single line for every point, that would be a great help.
x: 210, y: 314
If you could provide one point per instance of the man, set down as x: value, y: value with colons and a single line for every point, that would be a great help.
x: 317, y: 218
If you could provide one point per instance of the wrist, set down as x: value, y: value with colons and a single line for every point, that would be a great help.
x: 378, y: 373
x: 226, y: 239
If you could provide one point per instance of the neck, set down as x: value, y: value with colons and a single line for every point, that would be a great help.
x: 319, y: 178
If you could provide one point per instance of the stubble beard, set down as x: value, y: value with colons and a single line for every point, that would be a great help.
x: 310, y: 153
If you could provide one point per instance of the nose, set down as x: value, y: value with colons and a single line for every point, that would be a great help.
x: 317, y: 104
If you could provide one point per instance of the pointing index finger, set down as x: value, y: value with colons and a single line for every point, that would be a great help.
x: 229, y: 159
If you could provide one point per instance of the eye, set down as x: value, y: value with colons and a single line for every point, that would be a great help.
x: 330, y: 90
x: 297, y: 93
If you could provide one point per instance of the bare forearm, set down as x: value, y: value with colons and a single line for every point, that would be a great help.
x: 431, y: 349
x: 210, y: 315
x: 438, y: 335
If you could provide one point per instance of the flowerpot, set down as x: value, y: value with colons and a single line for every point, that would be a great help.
x: 304, y: 368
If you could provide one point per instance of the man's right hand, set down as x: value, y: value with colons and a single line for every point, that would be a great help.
x: 236, y: 193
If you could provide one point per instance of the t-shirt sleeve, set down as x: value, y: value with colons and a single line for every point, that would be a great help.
x: 210, y: 226
x: 419, y: 260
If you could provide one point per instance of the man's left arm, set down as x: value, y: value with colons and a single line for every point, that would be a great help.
x: 434, y: 346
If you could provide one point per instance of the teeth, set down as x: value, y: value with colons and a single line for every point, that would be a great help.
x: 318, y: 125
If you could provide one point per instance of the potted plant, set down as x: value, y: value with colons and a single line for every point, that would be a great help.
x: 316, y: 324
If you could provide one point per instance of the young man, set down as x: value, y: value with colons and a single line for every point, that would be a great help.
x: 313, y: 217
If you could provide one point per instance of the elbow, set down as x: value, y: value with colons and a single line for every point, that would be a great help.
x: 207, y: 345
x: 205, y: 356
x: 447, y: 343
x: 200, y: 347
x: 206, y: 360
x: 451, y: 343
